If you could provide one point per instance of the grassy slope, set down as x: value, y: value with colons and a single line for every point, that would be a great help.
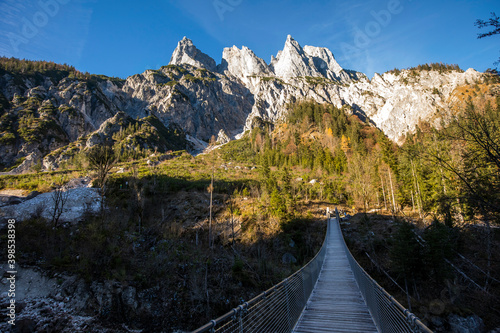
x: 157, y: 224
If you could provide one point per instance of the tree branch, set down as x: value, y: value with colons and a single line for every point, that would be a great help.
x: 494, y: 21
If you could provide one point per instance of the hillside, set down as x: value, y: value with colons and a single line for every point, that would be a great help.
x: 164, y: 267
x: 271, y: 188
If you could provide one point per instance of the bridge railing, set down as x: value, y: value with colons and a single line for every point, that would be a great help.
x: 277, y: 309
x: 387, y: 313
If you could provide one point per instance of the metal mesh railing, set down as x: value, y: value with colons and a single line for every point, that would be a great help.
x: 387, y: 313
x: 277, y: 309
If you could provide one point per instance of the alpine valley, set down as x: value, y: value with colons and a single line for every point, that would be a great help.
x: 159, y: 202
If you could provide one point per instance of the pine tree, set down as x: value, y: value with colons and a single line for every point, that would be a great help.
x: 406, y: 252
x: 345, y: 144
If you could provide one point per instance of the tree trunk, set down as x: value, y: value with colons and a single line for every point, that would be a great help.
x: 488, y: 247
x: 412, y: 202
x: 408, y: 295
x: 392, y: 192
x: 418, y: 194
x: 383, y: 192
x: 206, y: 289
x: 210, y: 241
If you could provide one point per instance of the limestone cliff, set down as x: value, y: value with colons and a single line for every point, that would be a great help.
x: 44, y: 111
x: 187, y: 53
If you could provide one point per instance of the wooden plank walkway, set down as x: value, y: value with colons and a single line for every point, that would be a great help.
x: 336, y: 304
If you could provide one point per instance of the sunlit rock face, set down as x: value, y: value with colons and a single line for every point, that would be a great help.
x: 187, y: 53
x: 242, y: 63
x: 292, y: 61
x: 205, y: 99
x: 398, y: 103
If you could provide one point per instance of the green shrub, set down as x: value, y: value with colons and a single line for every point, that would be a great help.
x: 7, y: 138
x: 238, y: 265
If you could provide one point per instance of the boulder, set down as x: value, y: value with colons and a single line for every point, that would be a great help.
x: 470, y: 324
x: 288, y: 258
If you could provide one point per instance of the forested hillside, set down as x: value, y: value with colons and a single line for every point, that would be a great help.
x: 450, y: 173
x: 436, y: 245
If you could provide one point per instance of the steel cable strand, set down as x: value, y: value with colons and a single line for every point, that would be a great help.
x: 273, y: 323
x: 389, y: 315
x: 261, y: 312
x: 296, y: 299
x: 256, y: 310
x: 280, y: 304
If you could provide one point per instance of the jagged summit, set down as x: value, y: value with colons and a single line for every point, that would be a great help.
x: 187, y: 53
x: 324, y: 61
x: 291, y: 62
x: 242, y: 62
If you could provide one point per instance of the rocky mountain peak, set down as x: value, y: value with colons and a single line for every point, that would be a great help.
x: 241, y: 63
x: 324, y: 61
x: 291, y: 41
x: 292, y: 61
x: 187, y: 53
x: 232, y: 97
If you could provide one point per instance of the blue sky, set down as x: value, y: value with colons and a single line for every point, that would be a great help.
x: 122, y: 38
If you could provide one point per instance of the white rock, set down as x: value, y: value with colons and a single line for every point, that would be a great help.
x: 243, y: 63
x: 232, y: 96
x: 187, y: 53
x: 293, y: 61
x: 78, y: 201
x: 222, y: 137
x: 324, y: 61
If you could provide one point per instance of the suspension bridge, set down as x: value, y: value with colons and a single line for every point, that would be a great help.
x: 332, y: 293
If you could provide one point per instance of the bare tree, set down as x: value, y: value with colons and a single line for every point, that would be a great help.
x: 139, y: 196
x: 476, y: 134
x: 59, y: 199
x: 101, y: 159
x: 231, y: 207
x: 494, y: 22
x: 211, y: 188
x: 362, y: 179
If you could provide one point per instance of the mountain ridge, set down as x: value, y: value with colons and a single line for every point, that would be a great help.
x: 205, y: 99
x: 293, y: 61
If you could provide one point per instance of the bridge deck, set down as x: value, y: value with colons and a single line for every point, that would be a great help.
x: 336, y: 304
